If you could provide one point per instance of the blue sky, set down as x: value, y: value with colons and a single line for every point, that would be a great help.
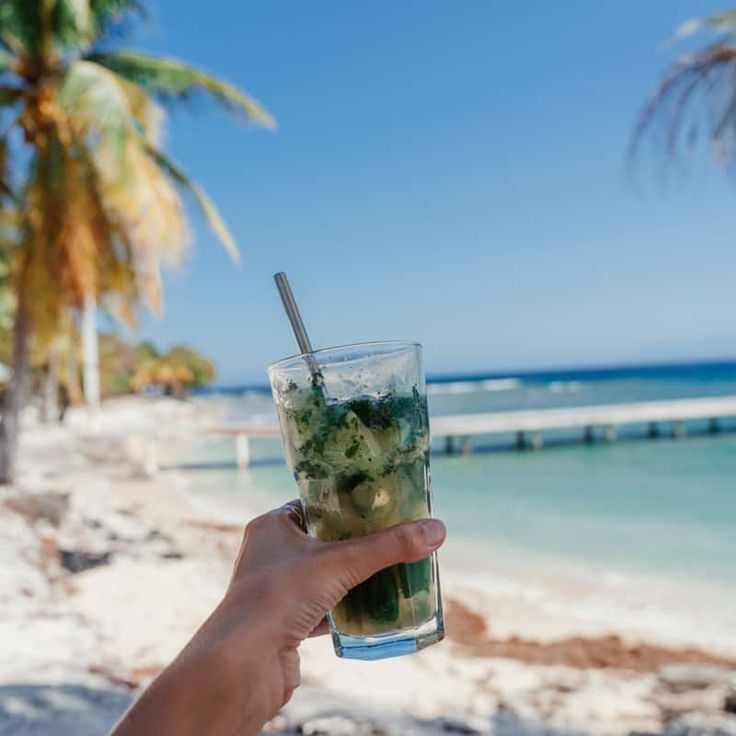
x: 452, y: 172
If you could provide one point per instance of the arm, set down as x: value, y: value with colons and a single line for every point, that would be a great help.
x: 242, y: 665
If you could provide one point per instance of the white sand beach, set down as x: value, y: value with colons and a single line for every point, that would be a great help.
x: 108, y: 565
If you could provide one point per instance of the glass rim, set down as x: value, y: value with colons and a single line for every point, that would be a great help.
x: 365, y: 344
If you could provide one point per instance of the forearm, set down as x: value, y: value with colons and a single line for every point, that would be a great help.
x: 213, y: 687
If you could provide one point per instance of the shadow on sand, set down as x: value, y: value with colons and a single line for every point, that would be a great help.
x: 81, y: 710
x: 60, y: 710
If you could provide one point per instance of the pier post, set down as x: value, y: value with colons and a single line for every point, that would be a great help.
x: 449, y: 445
x: 242, y: 450
x: 588, y: 436
x: 653, y: 431
x: 610, y: 434
x: 713, y: 427
x: 521, y: 440
x: 679, y: 430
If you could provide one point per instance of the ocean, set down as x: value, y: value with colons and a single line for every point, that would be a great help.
x: 658, y: 508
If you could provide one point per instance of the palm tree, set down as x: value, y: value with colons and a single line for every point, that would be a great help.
x: 696, y: 99
x: 97, y: 202
x: 165, y: 373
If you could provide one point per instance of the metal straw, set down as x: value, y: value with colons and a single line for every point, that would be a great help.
x: 295, y: 320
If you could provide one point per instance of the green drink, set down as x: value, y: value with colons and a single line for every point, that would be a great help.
x: 356, y: 436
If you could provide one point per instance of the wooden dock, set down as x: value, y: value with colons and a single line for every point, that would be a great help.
x: 528, y: 425
x: 243, y: 434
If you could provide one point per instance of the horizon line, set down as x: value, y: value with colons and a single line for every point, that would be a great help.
x: 543, y: 372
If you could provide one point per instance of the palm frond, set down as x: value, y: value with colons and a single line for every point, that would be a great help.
x: 7, y: 59
x: 206, y: 205
x: 98, y: 111
x: 148, y: 115
x: 82, y: 235
x: 115, y: 124
x: 21, y: 24
x: 109, y: 114
x: 146, y: 219
x: 41, y: 27
x: 170, y: 78
x: 41, y: 264
x: 695, y: 101
x: 6, y: 187
x: 71, y: 23
x: 107, y: 14
x: 9, y: 95
x: 720, y: 23
x: 112, y: 121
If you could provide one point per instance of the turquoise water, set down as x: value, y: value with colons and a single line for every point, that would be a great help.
x: 665, y: 507
x: 661, y: 508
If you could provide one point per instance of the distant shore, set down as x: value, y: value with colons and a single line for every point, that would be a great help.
x: 111, y: 564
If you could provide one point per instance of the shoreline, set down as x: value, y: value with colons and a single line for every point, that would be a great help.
x: 551, y: 598
x: 111, y: 567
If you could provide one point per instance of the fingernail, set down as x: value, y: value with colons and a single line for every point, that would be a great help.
x: 433, y: 532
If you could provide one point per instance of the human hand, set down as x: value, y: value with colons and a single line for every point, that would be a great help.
x: 242, y: 665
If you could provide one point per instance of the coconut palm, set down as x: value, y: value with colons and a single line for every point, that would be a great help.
x: 96, y: 199
x: 696, y: 99
x: 163, y: 373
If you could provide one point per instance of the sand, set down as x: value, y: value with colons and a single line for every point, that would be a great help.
x: 527, y: 651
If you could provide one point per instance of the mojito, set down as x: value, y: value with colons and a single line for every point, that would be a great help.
x: 357, y: 442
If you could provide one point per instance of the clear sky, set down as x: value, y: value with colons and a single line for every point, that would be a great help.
x: 452, y: 172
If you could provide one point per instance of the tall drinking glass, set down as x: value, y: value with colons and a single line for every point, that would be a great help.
x: 356, y: 435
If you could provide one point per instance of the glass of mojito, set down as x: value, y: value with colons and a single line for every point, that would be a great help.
x: 356, y: 435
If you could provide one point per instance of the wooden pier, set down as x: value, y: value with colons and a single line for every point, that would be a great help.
x: 528, y: 425
x: 243, y: 434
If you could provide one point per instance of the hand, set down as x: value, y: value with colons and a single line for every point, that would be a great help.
x: 242, y: 665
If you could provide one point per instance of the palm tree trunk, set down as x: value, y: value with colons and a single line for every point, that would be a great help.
x: 13, y: 399
x: 73, y: 384
x: 50, y: 394
x: 90, y: 352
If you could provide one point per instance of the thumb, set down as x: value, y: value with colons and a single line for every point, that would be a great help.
x: 355, y: 560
